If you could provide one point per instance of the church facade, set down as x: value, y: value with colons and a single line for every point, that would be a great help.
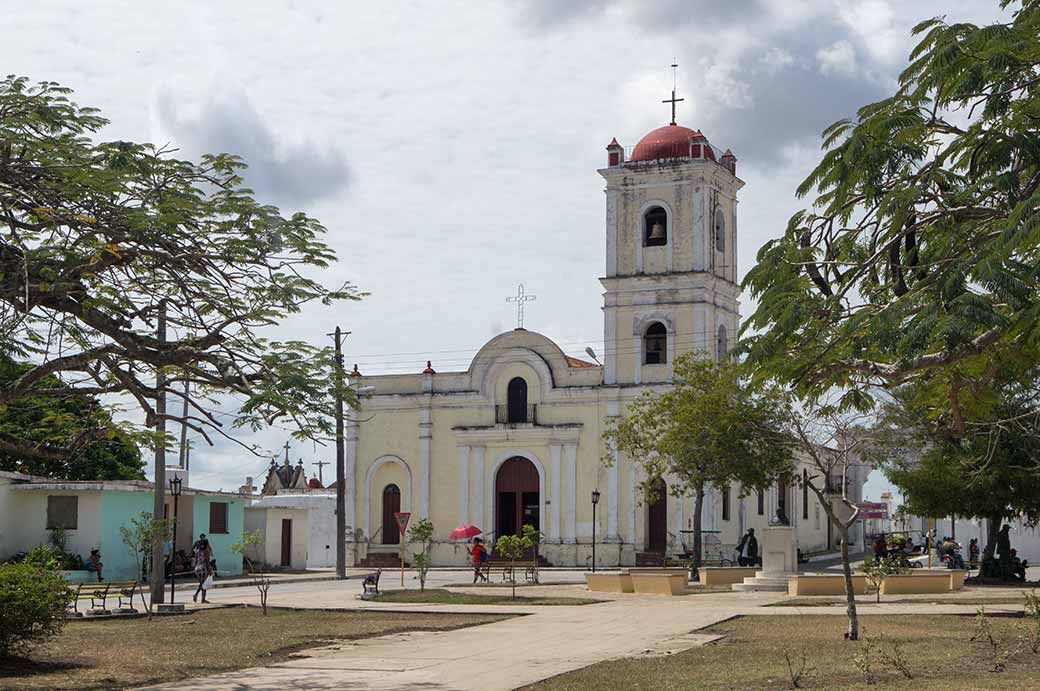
x: 516, y: 438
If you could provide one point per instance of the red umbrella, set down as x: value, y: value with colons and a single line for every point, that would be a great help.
x: 464, y: 532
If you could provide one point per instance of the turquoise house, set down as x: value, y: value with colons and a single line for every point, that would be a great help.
x: 92, y: 513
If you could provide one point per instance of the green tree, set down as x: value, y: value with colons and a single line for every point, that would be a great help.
x: 99, y: 239
x: 143, y: 535
x: 989, y: 471
x: 130, y: 272
x: 877, y: 570
x: 512, y: 547
x: 919, y: 252
x: 96, y: 448
x: 710, y: 428
x: 250, y: 548
x: 421, y: 533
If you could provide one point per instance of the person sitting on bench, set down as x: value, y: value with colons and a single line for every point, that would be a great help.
x: 94, y: 563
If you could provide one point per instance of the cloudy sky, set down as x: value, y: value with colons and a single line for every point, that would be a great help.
x: 451, y: 148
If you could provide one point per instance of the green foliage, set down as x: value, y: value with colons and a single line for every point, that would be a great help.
x: 876, y: 571
x: 250, y: 548
x: 53, y: 558
x: 512, y: 547
x: 988, y: 471
x: 919, y: 252
x: 143, y: 534
x: 96, y: 447
x: 98, y: 239
x: 32, y: 606
x: 710, y: 428
x: 421, y: 532
x: 1032, y: 626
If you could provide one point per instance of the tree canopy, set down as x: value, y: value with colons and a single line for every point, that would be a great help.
x: 919, y: 251
x: 709, y: 428
x: 100, y: 241
x: 95, y: 447
x: 990, y: 470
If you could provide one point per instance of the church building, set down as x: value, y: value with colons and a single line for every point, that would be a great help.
x: 516, y: 438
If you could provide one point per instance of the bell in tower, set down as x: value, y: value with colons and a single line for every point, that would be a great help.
x: 654, y: 229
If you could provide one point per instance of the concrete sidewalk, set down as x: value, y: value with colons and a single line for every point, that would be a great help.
x: 502, y: 655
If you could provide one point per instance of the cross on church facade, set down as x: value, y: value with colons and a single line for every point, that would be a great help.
x: 520, y: 298
x: 673, y: 100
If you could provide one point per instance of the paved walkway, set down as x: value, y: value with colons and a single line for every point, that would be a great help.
x: 504, y: 655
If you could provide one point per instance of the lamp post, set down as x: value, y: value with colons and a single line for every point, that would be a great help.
x: 595, y: 500
x: 175, y: 492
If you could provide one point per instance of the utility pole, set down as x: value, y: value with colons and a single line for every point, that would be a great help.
x: 158, y: 508
x: 341, y: 502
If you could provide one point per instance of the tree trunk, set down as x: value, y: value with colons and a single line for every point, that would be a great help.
x: 698, y: 505
x: 992, y: 528
x: 157, y: 583
x: 850, y: 593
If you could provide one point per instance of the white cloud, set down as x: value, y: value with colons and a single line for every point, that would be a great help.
x: 839, y: 58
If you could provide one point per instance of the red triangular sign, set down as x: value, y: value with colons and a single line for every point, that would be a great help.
x: 402, y: 520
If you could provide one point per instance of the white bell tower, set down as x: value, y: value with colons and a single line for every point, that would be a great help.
x: 671, y: 275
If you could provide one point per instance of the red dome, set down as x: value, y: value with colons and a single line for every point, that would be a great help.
x: 670, y: 141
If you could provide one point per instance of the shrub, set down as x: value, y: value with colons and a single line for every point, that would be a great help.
x: 32, y: 606
x: 53, y: 558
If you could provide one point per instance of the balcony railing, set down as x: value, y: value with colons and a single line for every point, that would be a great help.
x: 502, y: 416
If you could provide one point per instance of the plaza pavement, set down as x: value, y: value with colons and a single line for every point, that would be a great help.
x: 543, y: 642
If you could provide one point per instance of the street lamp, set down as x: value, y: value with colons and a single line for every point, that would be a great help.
x: 595, y: 500
x: 175, y: 492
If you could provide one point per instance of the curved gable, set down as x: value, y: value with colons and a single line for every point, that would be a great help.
x: 519, y: 345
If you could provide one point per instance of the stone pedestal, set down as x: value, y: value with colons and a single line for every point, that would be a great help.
x: 779, y: 560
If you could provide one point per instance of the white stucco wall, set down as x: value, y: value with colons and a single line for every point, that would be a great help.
x: 320, y: 512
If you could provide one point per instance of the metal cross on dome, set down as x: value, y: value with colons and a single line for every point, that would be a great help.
x: 520, y: 298
x: 673, y: 100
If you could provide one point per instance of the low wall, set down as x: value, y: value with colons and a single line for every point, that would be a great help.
x: 615, y: 582
x: 824, y: 584
x: 658, y: 584
x: 926, y: 583
x: 725, y: 575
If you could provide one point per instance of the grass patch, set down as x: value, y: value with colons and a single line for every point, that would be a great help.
x: 831, y: 601
x: 120, y: 653
x: 938, y: 648
x: 446, y: 597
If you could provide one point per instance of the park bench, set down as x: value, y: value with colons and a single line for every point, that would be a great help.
x: 101, y: 592
x: 507, y: 567
x: 371, y: 581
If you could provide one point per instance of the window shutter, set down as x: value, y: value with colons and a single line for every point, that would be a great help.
x: 62, y: 512
x: 218, y: 517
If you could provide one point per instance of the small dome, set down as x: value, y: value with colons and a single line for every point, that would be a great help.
x: 670, y: 141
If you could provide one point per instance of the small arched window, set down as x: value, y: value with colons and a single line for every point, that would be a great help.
x: 655, y: 227
x: 655, y: 344
x: 516, y: 400
x: 721, y: 343
x: 720, y: 230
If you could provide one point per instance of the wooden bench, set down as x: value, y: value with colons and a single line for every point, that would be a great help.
x: 609, y: 582
x: 824, y: 584
x: 371, y: 581
x: 658, y: 583
x: 102, y: 591
x: 507, y: 568
x: 725, y: 575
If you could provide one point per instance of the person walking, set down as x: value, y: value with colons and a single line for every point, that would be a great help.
x: 478, y: 555
x: 747, y: 549
x: 203, y: 556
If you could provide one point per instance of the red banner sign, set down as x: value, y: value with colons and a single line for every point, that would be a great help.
x: 872, y: 509
x: 402, y: 520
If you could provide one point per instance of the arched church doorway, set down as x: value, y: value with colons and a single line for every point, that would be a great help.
x: 516, y: 496
x: 657, y: 519
x: 391, y: 505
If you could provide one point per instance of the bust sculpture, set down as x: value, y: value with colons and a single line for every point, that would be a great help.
x: 780, y: 518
